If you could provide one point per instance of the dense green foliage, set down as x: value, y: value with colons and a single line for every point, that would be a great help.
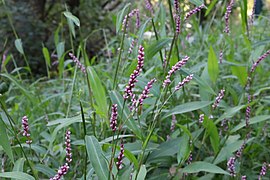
x: 162, y: 138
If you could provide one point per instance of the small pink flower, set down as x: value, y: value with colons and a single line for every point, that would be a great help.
x: 185, y: 81
x: 231, y: 166
x: 218, y: 98
x: 26, y: 131
x: 113, y: 120
x: 78, y: 63
x: 119, y: 162
x: 259, y: 60
x: 193, y: 11
x: 201, y: 118
x: 227, y: 16
x: 68, y: 147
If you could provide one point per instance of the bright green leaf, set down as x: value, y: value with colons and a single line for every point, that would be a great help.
x: 17, y: 175
x: 213, y: 70
x: 201, y: 166
x: 184, y: 149
x: 18, y: 45
x: 46, y: 55
x: 73, y: 18
x: 212, y: 132
x: 156, y: 47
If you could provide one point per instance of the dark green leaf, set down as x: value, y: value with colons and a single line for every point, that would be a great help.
x: 4, y: 142
x: 213, y: 70
x: 201, y: 166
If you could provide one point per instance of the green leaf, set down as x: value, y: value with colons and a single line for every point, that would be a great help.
x: 184, y: 149
x: 142, y: 173
x: 187, y: 107
x: 120, y: 17
x: 213, y: 70
x: 96, y: 157
x: 18, y: 45
x: 46, y: 55
x: 156, y: 47
x: 204, y: 167
x: 73, y: 18
x: 17, y: 175
x: 45, y: 170
x: 253, y: 120
x: 131, y: 124
x: 210, y: 7
x: 241, y: 73
x: 142, y: 30
x: 98, y: 91
x: 71, y: 27
x: 212, y: 132
x: 197, y: 2
x: 60, y: 49
x: 230, y: 112
x: 4, y: 142
x: 18, y: 166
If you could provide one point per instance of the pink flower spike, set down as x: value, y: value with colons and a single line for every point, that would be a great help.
x: 113, y: 120
x: 68, y: 147
x: 176, y: 6
x: 201, y: 118
x: 146, y: 91
x: 78, y: 63
x: 178, y: 24
x: 119, y: 162
x: 26, y: 131
x: 231, y: 166
x: 149, y: 6
x: 218, y: 98
x: 185, y: 81
x: 193, y: 11
x: 259, y: 60
x: 61, y: 172
x: 227, y: 16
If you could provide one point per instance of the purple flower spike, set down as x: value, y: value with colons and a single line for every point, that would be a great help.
x: 130, y: 15
x: 178, y: 24
x: 263, y: 170
x: 251, y: 20
x: 146, y: 91
x: 259, y: 60
x: 185, y: 81
x: 149, y: 6
x: 68, y: 147
x: 240, y: 151
x: 220, y: 56
x: 113, y: 120
x: 119, y: 162
x: 227, y: 16
x: 61, y: 172
x: 193, y: 11
x: 248, y: 111
x: 135, y: 74
x: 218, y: 98
x: 231, y: 166
x: 173, y: 123
x: 26, y: 131
x: 201, y: 118
x: 77, y: 62
x: 133, y: 42
x: 190, y: 158
x: 176, y: 67
x: 244, y: 177
x: 176, y: 6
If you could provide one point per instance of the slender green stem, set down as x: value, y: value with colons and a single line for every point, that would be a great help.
x: 84, y: 133
x: 156, y: 34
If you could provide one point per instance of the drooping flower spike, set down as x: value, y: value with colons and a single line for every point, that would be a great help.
x: 78, y: 63
x: 193, y: 11
x: 227, y: 16
x: 185, y: 81
x: 218, y: 98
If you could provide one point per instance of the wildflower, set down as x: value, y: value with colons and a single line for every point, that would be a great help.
x: 68, y: 147
x: 248, y: 111
x: 164, y: 61
x: 61, y: 172
x: 201, y: 118
x: 120, y: 157
x: 227, y: 16
x: 176, y: 6
x: 26, y: 131
x: 220, y: 56
x: 240, y: 150
x: 130, y: 15
x: 133, y: 41
x: 135, y: 74
x: 189, y: 158
x: 224, y: 125
x: 185, y: 80
x: 173, y: 123
x: 113, y: 120
x: 218, y: 98
x: 259, y: 60
x: 149, y: 6
x: 251, y: 20
x: 244, y: 177
x: 263, y: 171
x: 78, y: 63
x: 146, y: 91
x: 193, y: 11
x: 176, y: 67
x: 231, y: 166
x: 178, y: 24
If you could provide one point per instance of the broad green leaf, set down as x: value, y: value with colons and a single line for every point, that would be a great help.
x: 184, y: 149
x: 18, y: 45
x: 253, y: 120
x: 201, y: 166
x: 197, y: 2
x: 60, y: 49
x: 230, y: 112
x: 156, y: 47
x: 142, y: 173
x: 213, y: 70
x: 120, y: 17
x: 46, y: 55
x: 73, y: 18
x: 71, y: 27
x: 96, y: 157
x: 4, y: 142
x: 18, y: 166
x: 210, y: 7
x: 131, y: 124
x: 45, y: 170
x: 142, y: 30
x: 168, y: 148
x: 212, y: 132
x: 241, y: 73
x: 187, y: 107
x: 98, y: 92
x: 17, y: 175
